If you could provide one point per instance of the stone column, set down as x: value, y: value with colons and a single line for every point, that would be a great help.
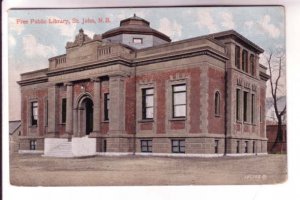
x: 69, y: 116
x: 52, y: 103
x: 117, y: 104
x: 97, y: 105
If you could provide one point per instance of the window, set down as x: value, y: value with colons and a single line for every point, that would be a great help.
x: 147, y: 103
x: 217, y: 104
x: 245, y: 106
x: 138, y: 40
x: 63, y: 110
x: 106, y: 106
x: 245, y: 61
x: 216, y: 146
x: 238, y: 94
x: 237, y: 56
x: 146, y: 146
x: 254, y: 147
x: 179, y: 100
x: 178, y: 146
x: 237, y: 146
x: 246, y: 146
x: 252, y: 66
x: 32, y: 144
x: 252, y: 108
x: 104, y: 145
x: 34, y: 113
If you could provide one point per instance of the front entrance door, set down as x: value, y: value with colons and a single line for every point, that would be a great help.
x: 89, y: 116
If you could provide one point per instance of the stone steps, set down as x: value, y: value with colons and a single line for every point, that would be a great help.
x: 62, y: 150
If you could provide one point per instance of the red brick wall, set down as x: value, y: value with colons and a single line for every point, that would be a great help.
x: 216, y: 83
x: 262, y: 103
x: 147, y: 126
x: 130, y: 102
x: 40, y: 95
x: 176, y: 125
x: 195, y: 101
x: 271, y: 135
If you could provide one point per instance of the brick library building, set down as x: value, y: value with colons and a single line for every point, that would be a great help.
x: 131, y: 90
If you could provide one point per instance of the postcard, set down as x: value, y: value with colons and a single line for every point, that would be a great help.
x: 147, y: 96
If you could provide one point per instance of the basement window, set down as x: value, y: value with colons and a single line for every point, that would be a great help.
x: 32, y: 144
x: 178, y: 146
x: 146, y: 146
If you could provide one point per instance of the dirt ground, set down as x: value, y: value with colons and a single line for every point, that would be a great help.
x: 35, y: 170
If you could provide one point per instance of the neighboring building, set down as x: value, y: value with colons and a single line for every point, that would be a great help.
x: 270, y: 110
x: 132, y: 90
x: 14, y: 134
x: 276, y: 147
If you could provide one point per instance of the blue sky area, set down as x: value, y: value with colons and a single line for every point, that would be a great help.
x: 35, y: 43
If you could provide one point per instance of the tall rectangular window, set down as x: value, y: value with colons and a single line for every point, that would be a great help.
x: 238, y: 94
x: 252, y: 108
x: 147, y: 103
x: 254, y: 145
x: 146, y: 146
x: 237, y: 56
x: 179, y: 100
x: 178, y: 146
x: 34, y: 113
x: 252, y: 65
x: 63, y: 110
x: 237, y: 146
x: 245, y: 60
x: 106, y: 106
x: 245, y: 106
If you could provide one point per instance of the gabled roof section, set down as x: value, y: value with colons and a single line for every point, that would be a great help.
x: 235, y: 35
x: 13, y: 126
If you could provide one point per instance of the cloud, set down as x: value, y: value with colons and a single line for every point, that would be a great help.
x: 249, y: 24
x: 267, y: 27
x: 32, y: 48
x: 227, y: 20
x: 67, y: 30
x: 205, y: 19
x: 170, y: 28
x: 89, y: 33
x: 14, y: 27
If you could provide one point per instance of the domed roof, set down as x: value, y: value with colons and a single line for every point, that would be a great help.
x: 135, y: 25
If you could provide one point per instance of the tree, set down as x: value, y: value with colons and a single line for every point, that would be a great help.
x: 276, y: 66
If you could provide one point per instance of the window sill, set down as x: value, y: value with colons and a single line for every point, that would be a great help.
x: 105, y: 121
x: 218, y: 116
x: 239, y: 122
x: 33, y: 126
x: 145, y: 120
x: 178, y: 119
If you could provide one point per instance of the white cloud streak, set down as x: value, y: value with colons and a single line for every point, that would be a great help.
x: 32, y: 48
x: 227, y: 22
x: 205, y: 19
x: 266, y: 26
x: 170, y: 28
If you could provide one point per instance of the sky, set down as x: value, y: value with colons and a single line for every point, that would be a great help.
x: 31, y: 45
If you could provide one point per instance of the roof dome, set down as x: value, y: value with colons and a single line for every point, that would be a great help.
x: 135, y: 25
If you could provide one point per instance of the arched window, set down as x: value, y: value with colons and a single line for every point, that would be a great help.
x: 217, y: 103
